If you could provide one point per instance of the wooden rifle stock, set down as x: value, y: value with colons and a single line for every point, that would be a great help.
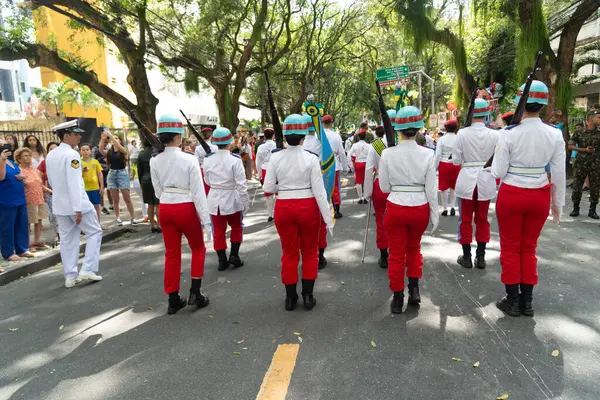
x: 387, y: 123
x: 201, y: 140
x: 274, y: 114
x: 144, y: 130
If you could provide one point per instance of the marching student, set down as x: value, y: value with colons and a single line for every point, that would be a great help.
x: 407, y: 173
x: 228, y: 199
x: 201, y: 153
x: 263, y: 155
x: 178, y: 185
x: 523, y: 202
x: 301, y: 203
x: 359, y: 152
x: 73, y: 210
x: 448, y: 172
x: 475, y: 186
x: 335, y: 140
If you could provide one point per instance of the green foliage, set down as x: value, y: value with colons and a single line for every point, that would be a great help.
x: 530, y: 40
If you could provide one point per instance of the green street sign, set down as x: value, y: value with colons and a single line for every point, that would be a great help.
x: 389, y: 76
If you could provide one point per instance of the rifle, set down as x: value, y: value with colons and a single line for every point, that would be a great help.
x: 201, y: 140
x: 387, y: 124
x: 469, y: 119
x: 144, y: 130
x: 518, y: 115
x: 274, y: 115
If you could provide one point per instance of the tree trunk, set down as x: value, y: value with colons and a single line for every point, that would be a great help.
x: 297, y: 106
x: 228, y: 111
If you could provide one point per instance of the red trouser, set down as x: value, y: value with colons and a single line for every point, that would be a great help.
x: 220, y: 227
x: 448, y: 174
x: 379, y: 202
x: 263, y: 173
x: 337, y: 196
x: 176, y: 219
x: 521, y: 217
x: 359, y: 172
x: 297, y: 222
x: 206, y: 187
x: 466, y: 209
x: 322, y: 234
x: 404, y: 227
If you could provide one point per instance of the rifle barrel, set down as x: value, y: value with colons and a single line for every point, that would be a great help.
x: 195, y: 132
x: 385, y: 118
x: 274, y: 114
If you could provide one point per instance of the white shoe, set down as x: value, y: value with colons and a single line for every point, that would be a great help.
x: 119, y: 222
x: 70, y: 282
x: 134, y: 221
x: 89, y: 275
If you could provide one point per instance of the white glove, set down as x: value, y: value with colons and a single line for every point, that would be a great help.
x: 556, y: 214
x: 330, y: 229
x: 207, y: 232
x: 433, y: 229
x: 246, y: 209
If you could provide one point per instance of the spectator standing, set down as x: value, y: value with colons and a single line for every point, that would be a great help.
x: 96, y: 154
x: 14, y: 234
x: 34, y: 194
x: 135, y: 182
x: 133, y: 151
x: 145, y: 178
x: 38, y: 152
x: 14, y: 145
x: 48, y: 195
x: 93, y: 180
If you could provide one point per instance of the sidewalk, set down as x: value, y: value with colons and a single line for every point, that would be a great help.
x: 46, y: 258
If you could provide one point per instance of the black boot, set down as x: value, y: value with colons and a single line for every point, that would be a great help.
x: 465, y: 259
x: 176, y: 303
x: 575, y: 212
x: 307, y: 294
x: 223, y: 263
x: 397, y: 303
x: 234, y: 256
x: 510, y: 303
x: 383, y: 260
x: 322, y: 259
x: 337, y: 214
x: 196, y: 297
x: 445, y: 213
x: 526, y: 299
x: 480, y: 255
x: 452, y: 211
x: 291, y: 297
x: 592, y: 214
x: 414, y: 297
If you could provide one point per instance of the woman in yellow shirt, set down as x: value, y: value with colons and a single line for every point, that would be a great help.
x: 92, y: 177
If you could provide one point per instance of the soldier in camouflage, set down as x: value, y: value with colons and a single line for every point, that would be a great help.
x: 587, y: 163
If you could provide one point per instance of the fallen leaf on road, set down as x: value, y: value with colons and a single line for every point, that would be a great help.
x: 476, y: 364
x: 274, y: 340
x: 236, y: 353
x: 373, y: 344
x: 244, y: 348
x: 120, y: 284
x: 210, y: 316
x: 13, y: 329
x: 60, y: 328
x: 555, y: 353
x: 503, y: 397
x: 457, y: 359
x: 236, y: 323
x: 300, y: 339
x: 149, y: 308
x: 240, y: 341
x: 297, y: 333
x: 343, y: 283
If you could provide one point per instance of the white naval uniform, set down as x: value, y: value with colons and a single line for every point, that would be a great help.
x: 360, y: 150
x: 372, y: 164
x: 443, y: 151
x: 312, y: 144
x: 263, y: 155
x: 63, y: 166
x: 473, y: 147
x: 335, y: 140
x: 348, y: 144
x: 225, y: 174
x: 201, y: 153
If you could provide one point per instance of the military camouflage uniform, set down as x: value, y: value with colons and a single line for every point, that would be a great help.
x: 586, y: 164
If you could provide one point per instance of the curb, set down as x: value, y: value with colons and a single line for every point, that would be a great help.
x: 50, y: 261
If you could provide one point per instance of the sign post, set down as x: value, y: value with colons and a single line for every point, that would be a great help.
x: 389, y: 76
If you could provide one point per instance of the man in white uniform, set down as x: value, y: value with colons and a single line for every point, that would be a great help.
x: 263, y: 155
x: 72, y: 208
x: 475, y: 186
x: 200, y: 152
x: 359, y: 151
x: 335, y: 141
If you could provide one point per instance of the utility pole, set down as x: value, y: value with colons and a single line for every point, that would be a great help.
x: 421, y: 73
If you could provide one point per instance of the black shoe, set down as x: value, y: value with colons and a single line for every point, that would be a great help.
x: 465, y: 260
x: 176, y: 303
x: 480, y: 256
x: 291, y: 297
x: 526, y: 300
x: 575, y: 212
x: 445, y: 213
x: 337, y: 214
x: 397, y: 303
x: 414, y: 297
x: 452, y: 212
x: 585, y: 189
x: 322, y: 259
x: 234, y: 256
x: 198, y: 299
x: 270, y: 219
x: 592, y: 213
x: 307, y: 294
x: 111, y: 208
x: 480, y: 262
x: 510, y: 303
x: 383, y: 260
x: 223, y: 262
x: 105, y: 211
x: 155, y: 229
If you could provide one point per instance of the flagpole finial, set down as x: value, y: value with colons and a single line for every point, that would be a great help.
x: 310, y: 98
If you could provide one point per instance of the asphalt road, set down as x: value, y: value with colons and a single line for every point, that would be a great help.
x: 113, y: 339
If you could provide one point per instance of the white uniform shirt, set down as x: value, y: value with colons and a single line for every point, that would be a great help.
x: 263, y: 154
x: 225, y: 174
x: 532, y: 144
x: 174, y: 169
x: 335, y: 140
x: 444, y: 148
x: 474, y: 144
x: 360, y: 150
x: 372, y: 164
x: 200, y: 153
x: 286, y: 173
x: 312, y: 144
x: 63, y: 166
x: 348, y: 144
x: 429, y: 141
x: 408, y: 164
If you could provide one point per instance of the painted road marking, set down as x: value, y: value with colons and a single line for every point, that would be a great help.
x: 277, y: 379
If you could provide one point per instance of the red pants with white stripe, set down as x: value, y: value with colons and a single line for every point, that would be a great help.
x: 220, y: 228
x: 468, y: 208
x: 359, y: 172
x: 448, y: 174
x: 322, y: 234
x: 175, y: 220
x: 521, y: 217
x: 297, y: 222
x: 379, y: 202
x: 206, y: 187
x: 263, y: 173
x: 404, y: 227
x: 337, y: 195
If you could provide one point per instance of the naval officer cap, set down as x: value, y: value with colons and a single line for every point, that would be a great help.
x: 409, y: 117
x: 68, y: 127
x: 295, y: 124
x: 222, y: 136
x: 538, y: 93
x: 481, y: 108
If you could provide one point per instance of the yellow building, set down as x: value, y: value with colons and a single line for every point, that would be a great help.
x: 52, y: 28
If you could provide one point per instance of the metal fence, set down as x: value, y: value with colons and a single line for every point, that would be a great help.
x: 45, y: 136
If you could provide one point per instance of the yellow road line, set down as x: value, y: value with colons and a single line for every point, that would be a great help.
x: 277, y: 379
